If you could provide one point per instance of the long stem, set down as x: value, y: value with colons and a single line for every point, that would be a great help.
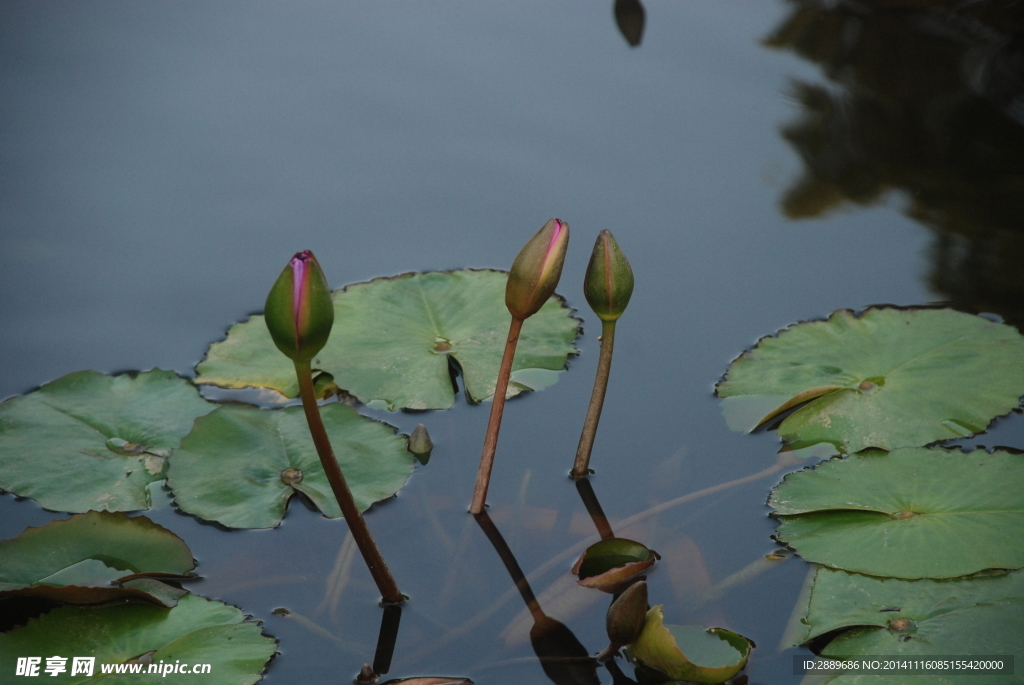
x: 581, y: 467
x: 371, y: 554
x: 483, y: 476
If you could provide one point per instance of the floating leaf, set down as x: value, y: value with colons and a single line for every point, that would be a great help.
x: 138, y: 635
x: 77, y: 560
x: 910, y: 513
x: 889, y: 616
x: 393, y: 337
x: 612, y: 564
x: 239, y: 466
x: 888, y: 378
x: 92, y: 441
x: 690, y: 653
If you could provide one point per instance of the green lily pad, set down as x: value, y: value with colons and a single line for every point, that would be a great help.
x: 92, y: 441
x: 612, y: 564
x: 79, y: 560
x: 690, y: 653
x: 240, y: 465
x: 910, y: 513
x: 888, y: 378
x: 888, y: 616
x: 134, y: 635
x: 393, y: 337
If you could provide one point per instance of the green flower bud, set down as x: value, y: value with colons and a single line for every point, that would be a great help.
x: 536, y: 270
x: 420, y: 443
x: 626, y: 615
x: 299, y: 311
x: 609, y: 281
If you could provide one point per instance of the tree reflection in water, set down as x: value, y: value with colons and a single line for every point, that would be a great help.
x: 928, y: 99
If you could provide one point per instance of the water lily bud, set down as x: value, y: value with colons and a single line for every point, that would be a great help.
x: 609, y: 281
x: 536, y: 270
x: 299, y: 310
x: 420, y: 443
x: 626, y: 615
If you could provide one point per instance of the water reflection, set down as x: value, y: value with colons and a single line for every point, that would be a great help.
x: 928, y: 101
x: 564, y: 659
x: 630, y: 17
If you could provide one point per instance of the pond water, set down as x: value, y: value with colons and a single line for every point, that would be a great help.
x: 760, y: 163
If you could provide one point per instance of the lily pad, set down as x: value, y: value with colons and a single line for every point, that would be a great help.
x: 613, y: 564
x: 690, y: 653
x: 889, y: 616
x: 910, y: 513
x: 888, y: 378
x: 133, y: 636
x: 94, y: 558
x: 92, y: 441
x: 393, y: 338
x: 240, y: 465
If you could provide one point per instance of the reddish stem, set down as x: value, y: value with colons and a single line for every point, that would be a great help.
x: 360, y: 533
x: 483, y: 475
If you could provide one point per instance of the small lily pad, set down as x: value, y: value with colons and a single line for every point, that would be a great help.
x: 910, y: 513
x: 889, y: 616
x: 240, y: 465
x: 92, y: 441
x: 393, y: 337
x: 82, y: 559
x: 612, y: 564
x: 135, y: 635
x: 887, y: 378
x: 690, y: 653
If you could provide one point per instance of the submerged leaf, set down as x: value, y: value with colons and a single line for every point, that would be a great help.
x: 240, y: 465
x: 196, y: 631
x: 690, y: 653
x: 888, y: 378
x: 980, y: 615
x: 911, y: 513
x: 92, y: 441
x: 77, y: 560
x: 393, y: 338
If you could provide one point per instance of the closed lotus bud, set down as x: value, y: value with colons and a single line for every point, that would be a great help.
x: 299, y: 310
x: 609, y: 281
x: 536, y: 270
x: 626, y: 615
x: 420, y: 443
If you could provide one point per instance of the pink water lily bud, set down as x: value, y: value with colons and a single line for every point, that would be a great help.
x: 536, y: 270
x: 299, y: 310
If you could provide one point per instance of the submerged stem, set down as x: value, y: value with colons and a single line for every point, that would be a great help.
x: 371, y: 554
x: 483, y: 476
x: 581, y: 467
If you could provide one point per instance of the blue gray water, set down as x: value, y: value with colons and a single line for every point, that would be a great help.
x: 160, y: 162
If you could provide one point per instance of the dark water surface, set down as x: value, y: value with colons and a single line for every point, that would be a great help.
x: 159, y: 163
